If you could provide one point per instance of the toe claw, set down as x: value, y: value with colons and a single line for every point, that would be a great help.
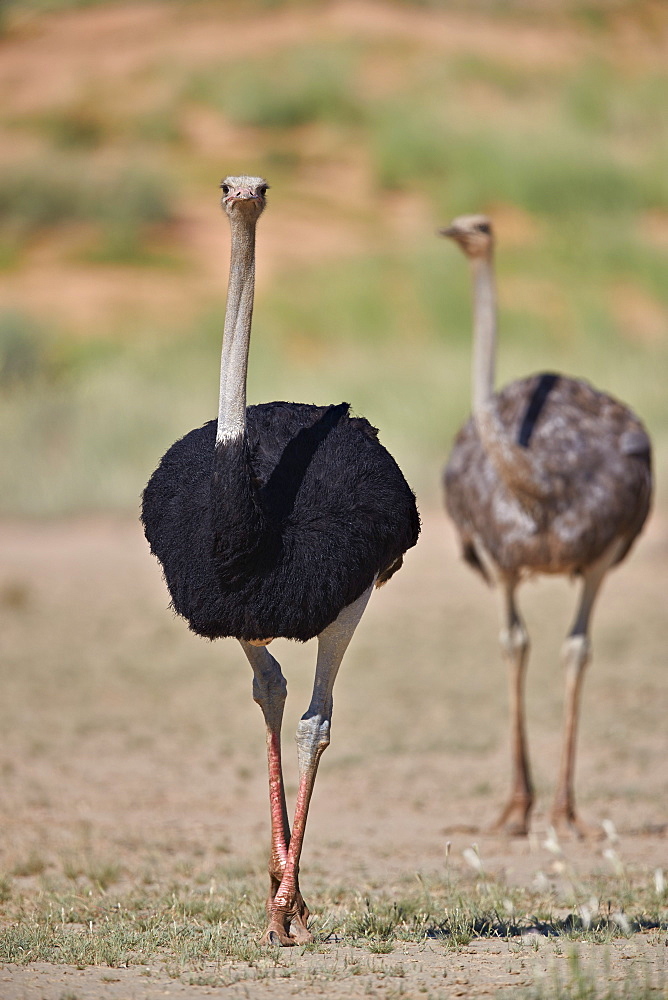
x: 277, y: 936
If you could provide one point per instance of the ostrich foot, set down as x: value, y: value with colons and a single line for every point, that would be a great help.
x: 514, y: 818
x: 287, y: 926
x: 277, y: 935
x: 567, y: 823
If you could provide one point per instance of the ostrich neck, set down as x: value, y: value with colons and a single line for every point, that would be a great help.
x: 236, y: 333
x: 241, y: 535
x: 516, y: 466
x: 484, y: 335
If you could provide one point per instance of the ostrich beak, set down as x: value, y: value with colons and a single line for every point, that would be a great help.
x: 450, y: 231
x: 242, y: 194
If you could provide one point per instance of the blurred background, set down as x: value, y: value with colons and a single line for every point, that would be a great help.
x: 374, y: 122
x: 132, y: 751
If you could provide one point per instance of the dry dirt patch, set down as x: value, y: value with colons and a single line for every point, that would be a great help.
x: 127, y: 739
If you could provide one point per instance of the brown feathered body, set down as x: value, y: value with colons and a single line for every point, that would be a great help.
x: 572, y: 478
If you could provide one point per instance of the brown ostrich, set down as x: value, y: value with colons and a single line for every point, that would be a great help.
x: 548, y: 476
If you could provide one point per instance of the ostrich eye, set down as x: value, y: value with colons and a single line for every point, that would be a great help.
x: 483, y: 227
x: 225, y: 188
x: 262, y: 190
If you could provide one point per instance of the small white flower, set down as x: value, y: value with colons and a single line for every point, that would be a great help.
x: 610, y: 831
x: 472, y: 858
x: 659, y: 881
x: 551, y: 842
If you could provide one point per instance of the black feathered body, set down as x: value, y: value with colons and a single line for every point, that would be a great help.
x: 592, y: 458
x: 274, y: 534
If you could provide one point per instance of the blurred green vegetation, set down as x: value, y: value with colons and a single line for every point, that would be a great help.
x: 595, y: 13
x: 300, y: 85
x: 568, y: 154
x: 122, y: 205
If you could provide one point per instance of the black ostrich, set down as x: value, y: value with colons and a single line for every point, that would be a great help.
x: 548, y: 476
x: 277, y: 520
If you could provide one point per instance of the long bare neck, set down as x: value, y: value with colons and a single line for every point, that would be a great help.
x: 515, y: 465
x: 484, y: 333
x: 236, y: 333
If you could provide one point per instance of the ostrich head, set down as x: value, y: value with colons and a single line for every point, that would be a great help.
x: 245, y: 196
x: 473, y: 233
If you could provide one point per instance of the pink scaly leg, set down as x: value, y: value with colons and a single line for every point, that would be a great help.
x: 287, y: 914
x: 576, y: 653
x: 514, y: 818
x: 269, y: 691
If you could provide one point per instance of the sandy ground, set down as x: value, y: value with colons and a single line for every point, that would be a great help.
x: 128, y: 738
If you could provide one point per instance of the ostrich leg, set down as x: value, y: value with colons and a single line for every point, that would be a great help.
x: 514, y: 818
x: 287, y: 912
x: 269, y: 692
x: 575, y: 654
